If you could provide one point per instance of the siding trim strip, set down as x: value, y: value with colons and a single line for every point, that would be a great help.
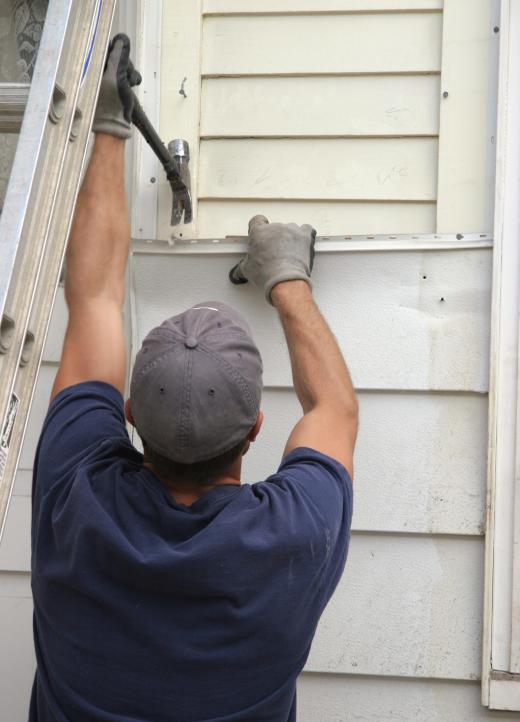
x: 467, y: 117
x: 324, y: 244
x: 290, y: 13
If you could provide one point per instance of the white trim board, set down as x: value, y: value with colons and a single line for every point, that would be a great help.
x: 501, y: 661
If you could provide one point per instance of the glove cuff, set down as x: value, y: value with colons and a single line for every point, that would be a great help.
x: 119, y: 129
x: 281, y: 277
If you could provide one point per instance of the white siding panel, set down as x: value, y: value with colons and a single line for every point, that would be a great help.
x: 341, y: 698
x: 419, y: 465
x: 39, y: 408
x: 57, y: 327
x: 218, y: 7
x: 329, y: 169
x: 23, y: 482
x: 420, y: 456
x: 218, y: 219
x: 405, y: 607
x: 414, y: 321
x: 339, y: 106
x: 15, y: 549
x: 364, y: 43
x: 17, y: 662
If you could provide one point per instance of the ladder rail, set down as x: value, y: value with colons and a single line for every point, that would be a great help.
x: 40, y: 202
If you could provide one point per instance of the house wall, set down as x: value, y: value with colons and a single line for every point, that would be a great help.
x: 332, y: 112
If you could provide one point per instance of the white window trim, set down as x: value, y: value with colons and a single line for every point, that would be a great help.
x: 501, y: 651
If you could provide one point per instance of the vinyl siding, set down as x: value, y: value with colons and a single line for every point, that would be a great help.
x: 332, y: 113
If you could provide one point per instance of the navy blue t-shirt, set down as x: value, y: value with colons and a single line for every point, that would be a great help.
x: 151, y: 611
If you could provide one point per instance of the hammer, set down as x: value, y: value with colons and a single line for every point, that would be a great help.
x: 175, y: 161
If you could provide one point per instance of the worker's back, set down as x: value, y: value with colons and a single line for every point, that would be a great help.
x: 146, y: 609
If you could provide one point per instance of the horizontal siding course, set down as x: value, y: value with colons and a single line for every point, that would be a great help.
x: 298, y: 7
x: 326, y: 169
x: 364, y: 43
x: 220, y: 218
x: 419, y: 455
x: 15, y: 549
x: 410, y: 321
x: 57, y: 327
x: 405, y: 607
x: 357, y: 106
x: 342, y: 698
x: 17, y: 661
x: 419, y: 464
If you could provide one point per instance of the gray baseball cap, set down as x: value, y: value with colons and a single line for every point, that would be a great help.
x: 197, y: 384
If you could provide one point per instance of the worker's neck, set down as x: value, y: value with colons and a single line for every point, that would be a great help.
x: 188, y: 493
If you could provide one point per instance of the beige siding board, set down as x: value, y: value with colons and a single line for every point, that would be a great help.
x: 221, y: 218
x: 223, y: 7
x: 419, y: 465
x: 339, y: 106
x: 17, y: 662
x: 368, y: 169
x: 391, y: 323
x: 405, y: 607
x: 341, y: 698
x: 468, y: 118
x: 365, y: 43
x: 181, y: 26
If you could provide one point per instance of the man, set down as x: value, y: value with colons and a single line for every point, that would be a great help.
x: 165, y: 590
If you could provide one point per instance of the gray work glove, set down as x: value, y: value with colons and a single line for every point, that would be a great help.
x: 277, y: 252
x: 116, y: 99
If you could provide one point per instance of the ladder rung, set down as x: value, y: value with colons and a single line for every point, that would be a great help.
x: 13, y: 100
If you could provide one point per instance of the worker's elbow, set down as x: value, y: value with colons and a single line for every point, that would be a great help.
x: 350, y: 407
x: 346, y: 410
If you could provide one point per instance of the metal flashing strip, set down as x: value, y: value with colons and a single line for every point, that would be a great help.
x: 324, y: 244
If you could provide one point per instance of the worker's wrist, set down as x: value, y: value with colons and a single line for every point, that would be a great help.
x: 106, y: 140
x: 289, y: 292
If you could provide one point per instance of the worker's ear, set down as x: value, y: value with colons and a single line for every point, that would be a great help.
x: 256, y: 428
x: 128, y: 412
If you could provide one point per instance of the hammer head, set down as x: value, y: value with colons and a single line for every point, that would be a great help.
x: 180, y: 181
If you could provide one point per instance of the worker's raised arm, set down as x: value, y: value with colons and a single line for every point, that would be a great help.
x: 321, y: 378
x: 97, y: 252
x: 280, y: 261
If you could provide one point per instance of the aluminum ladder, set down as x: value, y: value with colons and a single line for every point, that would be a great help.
x: 54, y: 117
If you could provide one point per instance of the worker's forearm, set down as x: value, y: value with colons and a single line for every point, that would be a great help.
x: 97, y: 252
x: 320, y: 374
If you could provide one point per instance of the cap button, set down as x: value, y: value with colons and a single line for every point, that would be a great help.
x: 191, y: 342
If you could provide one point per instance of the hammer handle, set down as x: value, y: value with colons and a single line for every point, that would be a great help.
x: 141, y: 121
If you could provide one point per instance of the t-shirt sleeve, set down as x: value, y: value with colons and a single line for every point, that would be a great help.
x: 323, y: 481
x: 310, y: 504
x: 79, y: 419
